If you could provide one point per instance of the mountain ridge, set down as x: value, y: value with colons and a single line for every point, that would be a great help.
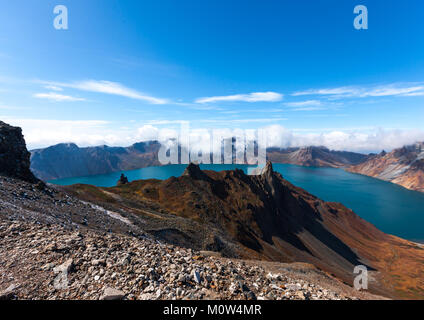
x: 315, y: 156
x: 67, y: 160
x: 403, y: 166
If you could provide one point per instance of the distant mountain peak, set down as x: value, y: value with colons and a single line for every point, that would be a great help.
x: 66, y: 160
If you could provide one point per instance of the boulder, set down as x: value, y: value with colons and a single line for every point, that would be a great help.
x: 112, y: 294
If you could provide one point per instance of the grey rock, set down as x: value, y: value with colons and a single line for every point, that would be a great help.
x: 61, y: 280
x: 196, y: 276
x: 112, y: 294
x: 9, y: 293
x: 64, y: 267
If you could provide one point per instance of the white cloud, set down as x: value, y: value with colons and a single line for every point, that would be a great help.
x: 304, y: 103
x: 57, y: 97
x: 43, y: 133
x: 278, y: 136
x: 54, y: 88
x: 108, y: 87
x: 394, y: 89
x: 147, y: 133
x: 414, y: 94
x: 251, y: 97
x: 231, y: 112
x: 163, y: 122
x: 308, y: 109
x: 350, y: 140
x: 358, y: 139
x: 235, y: 121
x: 329, y: 91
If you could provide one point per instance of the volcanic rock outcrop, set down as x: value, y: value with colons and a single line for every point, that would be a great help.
x: 122, y: 180
x: 14, y: 157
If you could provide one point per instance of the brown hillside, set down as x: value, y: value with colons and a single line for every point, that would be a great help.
x: 266, y: 217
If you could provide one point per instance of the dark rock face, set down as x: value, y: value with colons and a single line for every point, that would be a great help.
x: 14, y: 156
x: 122, y: 180
x: 193, y: 170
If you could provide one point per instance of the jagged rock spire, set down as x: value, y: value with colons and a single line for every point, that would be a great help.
x: 122, y: 180
x: 269, y: 177
x: 268, y: 168
x: 193, y: 170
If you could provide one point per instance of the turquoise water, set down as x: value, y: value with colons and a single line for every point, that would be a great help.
x: 391, y: 208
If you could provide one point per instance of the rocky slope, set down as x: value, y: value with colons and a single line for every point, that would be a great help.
x: 55, y: 246
x: 50, y: 262
x: 404, y: 166
x: 68, y: 160
x: 14, y: 157
x: 315, y: 157
x: 265, y: 217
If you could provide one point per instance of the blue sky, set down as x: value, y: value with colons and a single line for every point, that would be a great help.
x: 124, y: 70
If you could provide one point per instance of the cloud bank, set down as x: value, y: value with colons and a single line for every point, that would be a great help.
x: 394, y: 89
x: 108, y: 87
x: 43, y: 133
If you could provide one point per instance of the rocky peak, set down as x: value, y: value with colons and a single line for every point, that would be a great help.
x: 268, y: 170
x: 269, y: 177
x: 61, y: 147
x: 193, y: 171
x: 14, y: 156
x: 122, y: 180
